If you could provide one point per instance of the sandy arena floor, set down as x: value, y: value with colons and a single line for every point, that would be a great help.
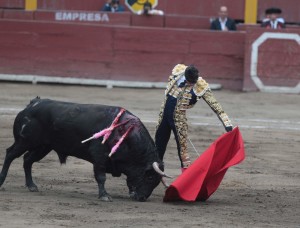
x: 263, y: 191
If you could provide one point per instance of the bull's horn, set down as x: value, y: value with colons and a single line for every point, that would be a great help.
x: 164, y: 182
x: 157, y: 169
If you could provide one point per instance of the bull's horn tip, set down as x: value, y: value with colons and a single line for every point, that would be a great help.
x: 168, y: 176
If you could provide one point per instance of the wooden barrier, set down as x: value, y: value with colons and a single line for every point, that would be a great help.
x: 148, y: 21
x: 12, y: 4
x: 118, y: 52
x: 272, y: 60
x: 86, y: 5
x: 192, y: 22
x: 290, y: 9
x: 18, y: 14
x: 113, y: 46
x: 84, y: 17
x: 202, y: 8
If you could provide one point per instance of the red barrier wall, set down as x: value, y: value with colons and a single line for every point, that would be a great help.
x: 12, y: 4
x: 278, y: 58
x: 18, y: 14
x: 202, y: 8
x: 290, y: 9
x: 194, y: 22
x: 92, y: 5
x: 96, y: 17
x: 120, y: 53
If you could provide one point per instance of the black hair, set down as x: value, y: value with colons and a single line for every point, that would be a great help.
x: 191, y: 74
x: 273, y: 10
x: 147, y: 6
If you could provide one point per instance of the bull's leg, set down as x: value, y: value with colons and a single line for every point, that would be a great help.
x: 99, y: 159
x: 13, y: 152
x: 131, y: 188
x: 101, y: 178
x: 29, y: 158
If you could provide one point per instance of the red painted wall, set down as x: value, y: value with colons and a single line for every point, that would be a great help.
x: 202, y: 8
x: 18, y: 14
x: 290, y: 9
x: 278, y: 62
x: 120, y: 53
x: 92, y: 5
x: 131, y: 47
x: 12, y: 4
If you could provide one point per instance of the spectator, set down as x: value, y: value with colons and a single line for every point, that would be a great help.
x: 113, y: 6
x: 272, y: 20
x: 223, y: 22
x: 148, y: 10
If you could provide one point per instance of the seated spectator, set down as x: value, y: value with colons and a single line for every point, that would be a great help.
x: 223, y: 22
x: 113, y: 6
x: 273, y: 19
x: 148, y: 10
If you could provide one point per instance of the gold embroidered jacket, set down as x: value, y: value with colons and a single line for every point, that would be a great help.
x: 187, y: 95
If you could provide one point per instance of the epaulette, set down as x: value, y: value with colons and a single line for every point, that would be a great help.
x: 179, y: 69
x: 200, y: 87
x: 177, y: 73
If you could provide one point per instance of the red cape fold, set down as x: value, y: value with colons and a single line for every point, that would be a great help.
x: 204, y: 176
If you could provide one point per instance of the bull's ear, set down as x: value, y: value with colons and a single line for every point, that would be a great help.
x: 149, y: 167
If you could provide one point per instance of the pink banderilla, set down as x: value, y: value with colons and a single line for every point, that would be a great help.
x: 107, y: 131
x: 114, y: 149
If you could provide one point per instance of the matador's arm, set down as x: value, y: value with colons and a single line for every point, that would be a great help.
x: 202, y: 90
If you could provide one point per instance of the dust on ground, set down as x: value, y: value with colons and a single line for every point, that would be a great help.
x: 263, y: 191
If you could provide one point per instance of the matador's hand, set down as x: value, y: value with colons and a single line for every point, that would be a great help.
x: 229, y: 128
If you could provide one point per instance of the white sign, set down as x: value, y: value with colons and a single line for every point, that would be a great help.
x: 81, y: 16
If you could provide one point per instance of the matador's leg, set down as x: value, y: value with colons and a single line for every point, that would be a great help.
x: 180, y: 132
x: 162, y: 136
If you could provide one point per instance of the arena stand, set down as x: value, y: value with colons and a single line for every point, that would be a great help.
x: 71, y: 39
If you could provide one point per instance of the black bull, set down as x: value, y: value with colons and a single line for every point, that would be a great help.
x: 46, y: 125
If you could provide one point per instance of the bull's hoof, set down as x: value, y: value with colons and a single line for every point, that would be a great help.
x: 2, y: 178
x: 33, y: 188
x: 106, y: 198
x: 132, y: 194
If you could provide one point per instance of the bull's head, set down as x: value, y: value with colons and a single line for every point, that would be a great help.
x: 151, y: 179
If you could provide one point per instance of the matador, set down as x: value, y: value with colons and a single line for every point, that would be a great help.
x: 185, y: 87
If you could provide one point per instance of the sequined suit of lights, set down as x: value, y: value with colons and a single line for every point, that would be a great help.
x: 179, y: 97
